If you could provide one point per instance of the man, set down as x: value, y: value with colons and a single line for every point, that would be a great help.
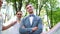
x: 31, y: 24
x: 2, y: 27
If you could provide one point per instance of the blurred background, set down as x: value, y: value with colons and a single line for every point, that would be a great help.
x: 48, y: 10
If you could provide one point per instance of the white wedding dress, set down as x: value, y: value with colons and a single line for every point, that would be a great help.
x: 14, y: 29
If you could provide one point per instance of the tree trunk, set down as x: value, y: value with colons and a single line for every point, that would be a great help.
x: 37, y: 7
x: 15, y: 7
x: 51, y: 19
x: 19, y: 5
x: 51, y: 15
x: 40, y: 9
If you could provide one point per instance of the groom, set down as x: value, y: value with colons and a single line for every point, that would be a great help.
x: 31, y: 24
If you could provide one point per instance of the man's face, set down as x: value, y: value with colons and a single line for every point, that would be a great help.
x: 29, y: 8
x: 1, y: 3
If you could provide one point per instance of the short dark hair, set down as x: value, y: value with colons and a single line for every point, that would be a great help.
x: 27, y: 4
x: 18, y: 11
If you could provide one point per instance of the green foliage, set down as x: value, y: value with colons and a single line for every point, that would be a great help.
x: 17, y: 4
x: 52, y: 11
x: 10, y: 1
x: 55, y: 16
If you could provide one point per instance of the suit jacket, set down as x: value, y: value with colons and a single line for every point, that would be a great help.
x: 28, y: 27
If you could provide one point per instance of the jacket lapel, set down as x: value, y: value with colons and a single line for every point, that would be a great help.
x: 33, y: 20
x: 28, y: 22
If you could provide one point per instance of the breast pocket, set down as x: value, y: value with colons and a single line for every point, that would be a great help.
x: 35, y: 23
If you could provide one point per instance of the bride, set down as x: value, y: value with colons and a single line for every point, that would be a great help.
x: 15, y: 28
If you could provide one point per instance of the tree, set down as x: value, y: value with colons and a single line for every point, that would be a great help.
x: 17, y: 4
x: 51, y: 5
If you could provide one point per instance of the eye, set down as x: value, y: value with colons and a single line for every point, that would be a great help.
x: 30, y: 6
x: 19, y: 14
x: 27, y: 7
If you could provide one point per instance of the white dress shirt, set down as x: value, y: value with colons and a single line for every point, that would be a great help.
x: 31, y: 19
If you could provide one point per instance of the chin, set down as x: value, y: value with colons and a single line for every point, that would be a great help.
x: 30, y: 11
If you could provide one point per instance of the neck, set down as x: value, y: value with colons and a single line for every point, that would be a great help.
x: 18, y: 20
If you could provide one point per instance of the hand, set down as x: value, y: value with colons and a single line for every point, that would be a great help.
x: 34, y: 28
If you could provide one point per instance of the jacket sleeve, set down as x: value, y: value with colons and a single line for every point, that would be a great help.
x: 23, y: 29
x: 40, y: 27
x: 40, y: 24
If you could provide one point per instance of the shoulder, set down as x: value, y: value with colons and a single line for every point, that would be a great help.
x: 38, y: 17
x: 24, y: 18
